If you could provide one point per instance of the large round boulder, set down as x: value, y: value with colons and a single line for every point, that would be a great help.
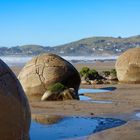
x: 14, y: 108
x: 128, y: 66
x: 46, y: 70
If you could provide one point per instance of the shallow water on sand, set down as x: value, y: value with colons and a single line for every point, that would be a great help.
x: 88, y: 90
x: 88, y: 99
x: 138, y: 115
x: 71, y: 127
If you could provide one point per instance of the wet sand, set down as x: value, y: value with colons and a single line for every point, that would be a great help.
x: 126, y: 102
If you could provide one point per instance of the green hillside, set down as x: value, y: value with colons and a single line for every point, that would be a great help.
x: 87, y: 46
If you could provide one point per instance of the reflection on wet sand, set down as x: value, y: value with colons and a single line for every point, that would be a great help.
x: 88, y: 99
x: 138, y: 115
x: 57, y: 127
x: 93, y: 90
x: 46, y: 119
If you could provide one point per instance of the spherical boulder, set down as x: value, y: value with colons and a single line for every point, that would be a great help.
x: 14, y: 108
x: 46, y: 70
x: 128, y: 66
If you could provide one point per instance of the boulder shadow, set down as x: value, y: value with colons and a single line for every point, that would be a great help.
x: 109, y: 88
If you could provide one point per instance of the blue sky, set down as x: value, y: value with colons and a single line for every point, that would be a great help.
x: 54, y: 22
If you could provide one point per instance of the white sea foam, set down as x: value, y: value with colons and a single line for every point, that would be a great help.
x: 20, y: 60
x: 89, y: 58
x: 15, y: 60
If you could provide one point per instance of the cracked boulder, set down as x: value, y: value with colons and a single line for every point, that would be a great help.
x: 128, y: 66
x: 14, y: 107
x: 46, y: 70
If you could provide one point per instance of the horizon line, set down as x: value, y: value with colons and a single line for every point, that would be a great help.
x: 36, y: 44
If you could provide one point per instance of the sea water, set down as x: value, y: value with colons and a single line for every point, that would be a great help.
x: 20, y: 60
x: 15, y: 60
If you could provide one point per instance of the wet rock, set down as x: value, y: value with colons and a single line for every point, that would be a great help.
x: 96, y: 81
x: 84, y: 82
x: 14, y: 108
x: 67, y: 94
x: 91, y: 113
x: 112, y: 77
x: 47, y: 95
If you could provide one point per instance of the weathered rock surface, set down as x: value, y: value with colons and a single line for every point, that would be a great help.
x: 44, y: 71
x: 14, y: 108
x: 67, y: 94
x: 128, y: 66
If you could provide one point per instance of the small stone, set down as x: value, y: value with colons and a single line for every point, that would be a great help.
x: 91, y: 113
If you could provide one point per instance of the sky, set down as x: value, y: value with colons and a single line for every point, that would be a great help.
x: 55, y: 22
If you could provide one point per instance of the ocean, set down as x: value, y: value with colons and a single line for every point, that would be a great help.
x: 21, y: 60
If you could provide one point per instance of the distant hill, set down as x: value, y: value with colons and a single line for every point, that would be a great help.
x: 24, y: 50
x: 87, y: 46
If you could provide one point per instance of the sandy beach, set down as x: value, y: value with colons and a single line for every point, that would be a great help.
x: 125, y: 104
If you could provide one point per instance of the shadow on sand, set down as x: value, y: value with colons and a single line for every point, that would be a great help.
x: 109, y: 88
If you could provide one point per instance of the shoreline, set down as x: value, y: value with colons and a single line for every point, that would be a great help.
x: 125, y: 103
